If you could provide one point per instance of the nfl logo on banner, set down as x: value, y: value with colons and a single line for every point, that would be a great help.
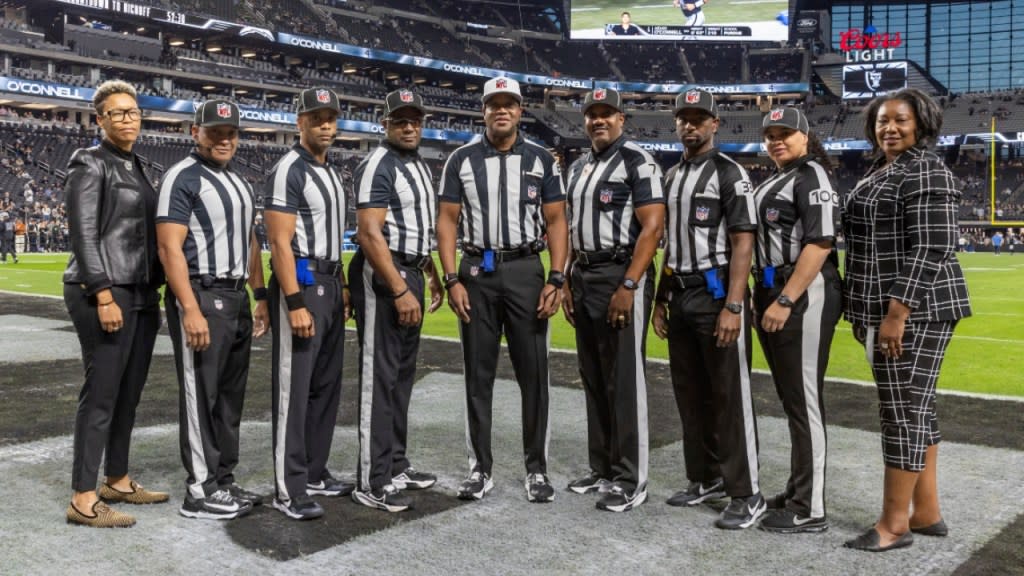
x: 323, y: 96
x: 692, y: 97
x: 702, y: 213
x: 600, y: 94
x: 772, y: 214
x: 531, y: 191
x: 405, y: 95
x: 501, y: 83
x: 224, y: 110
x: 606, y: 196
x: 776, y: 115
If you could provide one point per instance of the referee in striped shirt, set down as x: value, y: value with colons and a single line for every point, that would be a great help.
x: 703, y: 311
x: 395, y: 213
x: 617, y: 216
x: 206, y: 243
x: 508, y: 193
x: 797, y: 301
x: 305, y: 214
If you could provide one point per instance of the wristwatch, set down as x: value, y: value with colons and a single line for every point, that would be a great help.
x: 734, y: 307
x: 784, y: 301
x: 556, y: 279
x: 630, y: 284
x: 450, y: 279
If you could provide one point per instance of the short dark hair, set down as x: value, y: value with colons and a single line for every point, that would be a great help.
x: 625, y: 14
x: 927, y: 115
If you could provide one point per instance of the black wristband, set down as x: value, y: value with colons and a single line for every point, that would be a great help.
x: 556, y: 279
x: 450, y: 279
x: 402, y: 293
x: 295, y: 301
x: 259, y: 294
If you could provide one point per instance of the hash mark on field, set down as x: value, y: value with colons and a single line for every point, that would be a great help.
x: 987, y: 339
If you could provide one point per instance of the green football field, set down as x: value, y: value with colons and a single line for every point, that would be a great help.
x: 591, y: 14
x: 985, y: 356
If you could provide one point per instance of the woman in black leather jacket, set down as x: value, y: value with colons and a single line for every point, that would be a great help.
x: 110, y: 289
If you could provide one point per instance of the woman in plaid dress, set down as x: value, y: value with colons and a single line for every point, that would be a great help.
x: 905, y: 293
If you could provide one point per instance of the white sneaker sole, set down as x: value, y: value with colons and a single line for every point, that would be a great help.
x: 602, y: 487
x: 366, y: 500
x: 410, y: 485
x: 204, y: 515
x: 488, y: 486
x: 717, y: 495
x: 637, y: 499
x: 757, y: 514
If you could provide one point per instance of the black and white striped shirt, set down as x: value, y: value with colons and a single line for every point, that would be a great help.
x: 313, y: 192
x: 399, y: 181
x: 218, y: 207
x: 604, y: 190
x: 502, y: 194
x: 709, y: 196
x: 796, y: 206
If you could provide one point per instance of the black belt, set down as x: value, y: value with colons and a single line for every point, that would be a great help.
x: 321, y: 266
x: 208, y: 281
x: 619, y: 254
x: 695, y: 280
x: 506, y: 255
x: 410, y: 261
x: 782, y: 273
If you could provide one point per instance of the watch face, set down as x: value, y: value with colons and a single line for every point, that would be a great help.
x: 629, y: 284
x: 734, y: 307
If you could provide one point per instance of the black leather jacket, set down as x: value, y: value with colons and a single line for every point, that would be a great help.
x: 111, y: 210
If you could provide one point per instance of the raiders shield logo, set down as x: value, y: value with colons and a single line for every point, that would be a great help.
x: 776, y: 115
x: 323, y: 96
x: 702, y: 213
x: 531, y: 192
x: 320, y: 290
x: 405, y: 96
x: 873, y: 80
x: 600, y: 94
x: 692, y: 97
x: 218, y: 304
x: 501, y: 83
x: 224, y: 110
x: 772, y: 214
x: 605, y: 196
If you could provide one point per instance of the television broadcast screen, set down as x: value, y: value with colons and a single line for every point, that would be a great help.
x: 861, y: 81
x: 698, y: 20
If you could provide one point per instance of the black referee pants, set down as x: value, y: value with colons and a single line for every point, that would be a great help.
x: 211, y: 385
x: 798, y: 357
x: 7, y: 246
x: 712, y: 389
x: 306, y: 380
x: 505, y: 302
x: 116, y: 367
x: 612, y: 363
x: 387, y: 371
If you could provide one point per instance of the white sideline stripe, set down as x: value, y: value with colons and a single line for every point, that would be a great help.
x: 987, y: 339
x: 195, y: 436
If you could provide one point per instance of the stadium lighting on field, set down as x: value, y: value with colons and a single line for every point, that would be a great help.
x: 249, y: 54
x: 177, y: 42
x: 213, y: 48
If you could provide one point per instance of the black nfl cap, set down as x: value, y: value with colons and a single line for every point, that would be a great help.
x: 791, y: 118
x: 399, y: 99
x: 605, y: 96
x: 696, y: 100
x: 217, y: 113
x: 316, y: 98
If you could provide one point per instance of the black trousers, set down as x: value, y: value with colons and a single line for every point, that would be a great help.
x: 387, y: 372
x: 306, y: 382
x: 612, y: 363
x: 798, y: 357
x: 7, y: 246
x: 712, y: 390
x: 505, y: 302
x: 211, y: 386
x: 116, y: 366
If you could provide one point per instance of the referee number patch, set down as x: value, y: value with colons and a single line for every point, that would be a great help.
x: 822, y: 197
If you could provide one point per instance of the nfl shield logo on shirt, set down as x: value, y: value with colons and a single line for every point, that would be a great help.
x: 772, y: 214
x: 605, y: 196
x: 224, y: 110
x: 218, y: 304
x: 531, y: 192
x: 320, y: 290
x: 702, y: 213
x: 405, y: 95
x: 323, y: 96
x: 692, y: 97
x: 474, y: 270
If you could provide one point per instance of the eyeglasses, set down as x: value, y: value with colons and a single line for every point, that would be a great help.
x: 403, y: 122
x: 130, y: 114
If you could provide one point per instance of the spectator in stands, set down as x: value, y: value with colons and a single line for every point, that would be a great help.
x: 110, y: 290
x: 904, y: 294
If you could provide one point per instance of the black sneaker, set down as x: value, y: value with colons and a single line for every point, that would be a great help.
x: 242, y: 494
x: 411, y: 479
x: 329, y: 486
x: 777, y: 502
x: 476, y: 486
x: 300, y: 508
x: 741, y: 512
x: 698, y: 492
x: 389, y: 498
x: 592, y: 482
x: 538, y: 488
x: 220, y: 505
x: 618, y: 499
x: 789, y: 522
